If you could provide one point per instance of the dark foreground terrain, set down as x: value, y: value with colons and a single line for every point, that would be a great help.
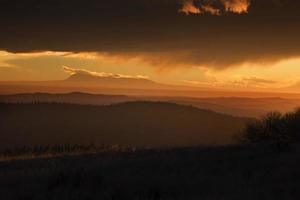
x: 236, y: 172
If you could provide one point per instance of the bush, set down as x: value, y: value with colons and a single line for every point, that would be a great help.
x: 275, y: 128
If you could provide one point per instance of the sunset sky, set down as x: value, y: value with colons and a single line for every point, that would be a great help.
x: 230, y: 44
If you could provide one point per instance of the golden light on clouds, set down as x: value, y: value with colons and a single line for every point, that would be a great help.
x: 189, y: 8
x: 278, y: 76
x: 210, y: 9
x: 198, y: 7
x: 73, y: 71
x: 236, y: 6
x: 49, y: 66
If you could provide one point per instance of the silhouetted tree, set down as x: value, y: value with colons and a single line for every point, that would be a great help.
x: 275, y: 128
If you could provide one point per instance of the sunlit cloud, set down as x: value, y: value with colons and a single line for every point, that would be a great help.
x: 73, y: 71
x: 253, y: 81
x: 271, y: 77
x: 211, y: 10
x: 189, y: 8
x: 216, y: 7
x: 236, y: 6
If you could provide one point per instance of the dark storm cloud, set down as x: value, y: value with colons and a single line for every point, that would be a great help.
x: 154, y: 30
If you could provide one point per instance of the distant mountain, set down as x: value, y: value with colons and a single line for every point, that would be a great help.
x: 89, y: 83
x: 133, y: 123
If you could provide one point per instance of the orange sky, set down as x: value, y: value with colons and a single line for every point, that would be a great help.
x: 241, y: 45
x: 280, y: 76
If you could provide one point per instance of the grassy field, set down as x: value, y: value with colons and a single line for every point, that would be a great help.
x: 89, y: 172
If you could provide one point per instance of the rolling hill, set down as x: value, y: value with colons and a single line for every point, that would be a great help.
x: 243, y: 107
x: 150, y: 124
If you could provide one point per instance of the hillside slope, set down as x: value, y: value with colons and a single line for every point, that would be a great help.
x: 246, y: 107
x: 132, y: 123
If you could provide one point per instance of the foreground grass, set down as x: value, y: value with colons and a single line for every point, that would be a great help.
x: 252, y: 172
x: 55, y: 151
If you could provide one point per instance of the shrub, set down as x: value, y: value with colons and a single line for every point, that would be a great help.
x: 275, y: 128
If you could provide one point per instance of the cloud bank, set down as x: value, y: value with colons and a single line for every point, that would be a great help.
x: 221, y: 33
